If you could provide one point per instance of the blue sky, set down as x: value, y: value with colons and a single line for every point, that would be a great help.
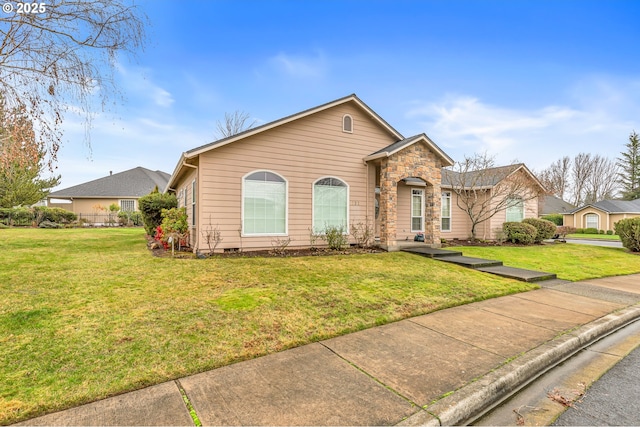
x: 521, y: 80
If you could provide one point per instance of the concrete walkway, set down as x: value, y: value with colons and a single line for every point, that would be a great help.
x: 443, y: 368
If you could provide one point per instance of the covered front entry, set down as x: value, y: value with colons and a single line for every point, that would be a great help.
x: 409, y: 192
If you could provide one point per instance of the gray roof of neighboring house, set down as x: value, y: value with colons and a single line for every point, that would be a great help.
x: 614, y: 206
x: 484, y: 178
x: 555, y: 205
x: 134, y: 183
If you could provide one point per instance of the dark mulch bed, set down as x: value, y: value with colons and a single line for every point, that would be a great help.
x: 158, y: 251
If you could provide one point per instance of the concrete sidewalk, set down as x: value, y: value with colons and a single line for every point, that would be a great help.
x: 443, y: 368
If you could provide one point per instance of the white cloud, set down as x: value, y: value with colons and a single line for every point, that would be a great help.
x: 300, y: 66
x: 138, y: 81
x: 598, y: 118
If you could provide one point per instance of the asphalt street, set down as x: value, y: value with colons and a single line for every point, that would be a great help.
x: 612, y: 400
x: 594, y: 242
x: 575, y: 382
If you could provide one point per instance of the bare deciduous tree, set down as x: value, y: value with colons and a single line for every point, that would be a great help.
x: 61, y: 56
x: 483, y: 190
x: 586, y: 178
x: 602, y: 183
x: 556, y: 177
x: 234, y: 124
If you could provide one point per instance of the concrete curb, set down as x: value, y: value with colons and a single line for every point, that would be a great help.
x: 477, y: 398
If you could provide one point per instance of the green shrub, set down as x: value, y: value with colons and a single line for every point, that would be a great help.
x: 335, y: 237
x: 609, y: 232
x: 629, y: 232
x: 16, y: 216
x: 130, y: 218
x: 557, y: 219
x: 544, y: 229
x: 175, y: 220
x: 590, y: 231
x: 579, y: 231
x: 49, y: 224
x: 151, y: 207
x: 520, y: 232
x: 57, y: 215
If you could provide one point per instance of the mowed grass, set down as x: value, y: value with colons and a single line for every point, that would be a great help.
x: 86, y: 314
x: 569, y: 261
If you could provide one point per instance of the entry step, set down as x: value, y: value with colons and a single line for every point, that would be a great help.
x: 518, y: 273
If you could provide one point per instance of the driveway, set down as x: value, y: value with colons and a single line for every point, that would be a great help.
x: 606, y: 243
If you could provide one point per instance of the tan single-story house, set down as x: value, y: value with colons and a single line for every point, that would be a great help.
x: 491, y: 184
x: 91, y: 200
x: 602, y: 215
x: 338, y: 164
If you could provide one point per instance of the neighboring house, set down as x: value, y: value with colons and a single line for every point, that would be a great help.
x: 92, y: 199
x: 493, y: 185
x: 602, y: 215
x: 550, y: 205
x: 338, y: 164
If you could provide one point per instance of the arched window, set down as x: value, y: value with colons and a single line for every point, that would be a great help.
x: 515, y: 209
x: 592, y: 221
x: 347, y: 123
x: 264, y: 204
x: 330, y: 204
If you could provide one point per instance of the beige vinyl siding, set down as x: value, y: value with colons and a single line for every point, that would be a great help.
x: 184, y: 192
x: 301, y: 152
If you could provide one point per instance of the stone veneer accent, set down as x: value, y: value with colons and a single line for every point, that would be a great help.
x: 415, y: 161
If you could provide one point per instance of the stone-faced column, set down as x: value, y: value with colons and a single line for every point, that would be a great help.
x: 388, y: 205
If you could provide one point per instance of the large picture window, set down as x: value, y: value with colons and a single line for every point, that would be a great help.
x: 591, y: 221
x: 445, y: 212
x: 264, y: 204
x: 515, y: 210
x: 330, y: 202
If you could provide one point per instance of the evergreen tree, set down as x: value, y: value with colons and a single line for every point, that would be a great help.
x: 629, y: 163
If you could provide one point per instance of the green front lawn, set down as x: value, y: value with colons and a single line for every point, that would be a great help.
x: 569, y: 261
x: 86, y: 314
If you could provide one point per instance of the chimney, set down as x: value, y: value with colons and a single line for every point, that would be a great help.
x: 110, y: 173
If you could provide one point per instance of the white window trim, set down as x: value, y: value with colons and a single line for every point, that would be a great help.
x: 586, y: 223
x: 521, y: 204
x: 135, y: 204
x: 343, y: 128
x: 193, y: 204
x: 448, y: 193
x: 286, y: 207
x: 313, y: 201
x: 421, y: 210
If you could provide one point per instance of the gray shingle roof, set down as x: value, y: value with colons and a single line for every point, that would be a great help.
x: 483, y: 178
x: 615, y: 206
x: 133, y: 183
x: 555, y: 205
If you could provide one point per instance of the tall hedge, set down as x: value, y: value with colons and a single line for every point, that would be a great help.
x: 545, y: 229
x: 151, y: 207
x: 557, y: 219
x: 629, y: 232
